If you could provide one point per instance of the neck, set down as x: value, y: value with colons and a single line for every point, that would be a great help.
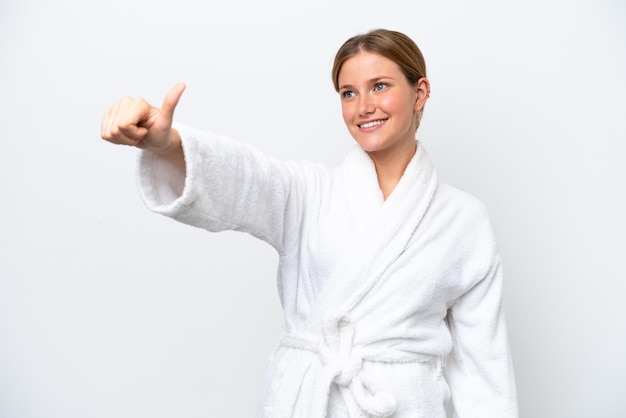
x: 390, y: 166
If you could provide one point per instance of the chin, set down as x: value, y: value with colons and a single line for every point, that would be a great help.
x: 371, y: 146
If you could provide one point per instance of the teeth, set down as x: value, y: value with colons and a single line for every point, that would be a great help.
x: 370, y: 124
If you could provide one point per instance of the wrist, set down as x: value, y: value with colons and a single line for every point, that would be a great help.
x: 173, y: 151
x: 174, y: 145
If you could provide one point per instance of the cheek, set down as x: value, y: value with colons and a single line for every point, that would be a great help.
x: 392, y: 104
x: 400, y: 106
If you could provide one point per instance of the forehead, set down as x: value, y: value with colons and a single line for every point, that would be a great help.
x: 365, y: 66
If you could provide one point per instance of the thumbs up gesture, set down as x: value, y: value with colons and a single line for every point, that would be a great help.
x: 136, y: 122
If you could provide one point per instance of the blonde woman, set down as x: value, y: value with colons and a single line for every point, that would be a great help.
x: 390, y: 279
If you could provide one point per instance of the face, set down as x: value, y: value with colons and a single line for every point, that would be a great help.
x: 378, y: 103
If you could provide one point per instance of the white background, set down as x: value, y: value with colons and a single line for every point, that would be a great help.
x: 108, y: 310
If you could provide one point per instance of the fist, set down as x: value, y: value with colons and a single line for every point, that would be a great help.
x: 136, y: 122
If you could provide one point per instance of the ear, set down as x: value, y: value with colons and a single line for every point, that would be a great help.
x: 423, y: 93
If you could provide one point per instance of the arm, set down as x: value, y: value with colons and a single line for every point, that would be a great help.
x: 479, y: 369
x: 205, y: 180
x: 229, y: 185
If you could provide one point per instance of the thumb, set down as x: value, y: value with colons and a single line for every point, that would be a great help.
x: 171, y: 101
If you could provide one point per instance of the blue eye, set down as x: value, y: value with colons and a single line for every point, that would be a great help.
x: 347, y: 94
x: 380, y: 86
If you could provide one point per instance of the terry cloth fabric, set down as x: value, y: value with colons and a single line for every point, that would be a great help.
x: 392, y: 307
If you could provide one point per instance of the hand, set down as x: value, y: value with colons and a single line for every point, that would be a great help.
x: 136, y: 122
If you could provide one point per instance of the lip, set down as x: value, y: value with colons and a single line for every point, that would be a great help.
x: 381, y: 121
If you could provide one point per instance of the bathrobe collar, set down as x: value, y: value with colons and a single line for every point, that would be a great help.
x: 383, y: 227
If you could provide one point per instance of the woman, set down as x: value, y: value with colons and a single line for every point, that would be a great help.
x: 390, y: 279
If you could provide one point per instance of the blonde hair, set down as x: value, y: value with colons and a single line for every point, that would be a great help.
x: 392, y: 45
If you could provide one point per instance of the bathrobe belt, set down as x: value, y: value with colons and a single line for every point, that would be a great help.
x: 341, y: 363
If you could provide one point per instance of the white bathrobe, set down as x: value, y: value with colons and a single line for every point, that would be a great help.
x: 390, y: 306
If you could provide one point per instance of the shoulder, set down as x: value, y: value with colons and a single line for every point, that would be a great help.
x: 467, y: 232
x: 461, y: 204
x: 464, y: 218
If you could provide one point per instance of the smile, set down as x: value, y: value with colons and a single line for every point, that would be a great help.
x: 372, y: 123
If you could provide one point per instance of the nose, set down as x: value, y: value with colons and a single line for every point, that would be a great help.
x: 366, y: 105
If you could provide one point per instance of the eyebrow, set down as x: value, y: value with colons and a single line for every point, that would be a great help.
x: 370, y: 81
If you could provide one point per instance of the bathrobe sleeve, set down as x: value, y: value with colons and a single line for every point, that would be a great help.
x: 229, y: 185
x: 479, y: 369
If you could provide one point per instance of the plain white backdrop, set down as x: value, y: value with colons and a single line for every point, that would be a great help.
x: 108, y: 310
